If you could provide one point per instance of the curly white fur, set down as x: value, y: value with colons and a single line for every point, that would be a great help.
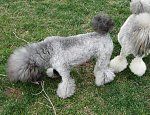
x: 134, y: 38
x: 137, y: 66
x: 118, y: 64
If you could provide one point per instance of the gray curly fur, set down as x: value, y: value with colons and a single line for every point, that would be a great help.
x: 141, y: 41
x: 62, y: 53
x: 140, y: 6
x: 102, y: 23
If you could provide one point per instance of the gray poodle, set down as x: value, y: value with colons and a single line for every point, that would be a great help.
x: 134, y: 37
x: 62, y: 53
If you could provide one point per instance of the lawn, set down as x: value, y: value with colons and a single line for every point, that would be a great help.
x: 34, y: 20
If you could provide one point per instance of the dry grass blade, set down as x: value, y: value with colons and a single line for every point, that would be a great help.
x: 46, y: 97
x: 3, y: 75
x: 20, y: 38
x: 43, y: 104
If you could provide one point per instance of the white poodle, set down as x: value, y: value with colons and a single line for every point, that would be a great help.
x: 134, y: 37
x: 62, y: 53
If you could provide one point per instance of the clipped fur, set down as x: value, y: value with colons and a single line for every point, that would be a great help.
x: 140, y: 6
x: 62, y: 53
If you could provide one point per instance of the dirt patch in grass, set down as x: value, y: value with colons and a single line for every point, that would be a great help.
x: 13, y: 93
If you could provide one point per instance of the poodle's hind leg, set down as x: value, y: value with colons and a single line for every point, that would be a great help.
x: 103, y: 74
x: 137, y: 66
x: 67, y: 87
x: 119, y: 63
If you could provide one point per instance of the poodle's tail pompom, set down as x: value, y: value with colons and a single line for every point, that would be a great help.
x: 118, y: 64
x: 102, y: 23
x: 138, y: 66
x: 21, y: 68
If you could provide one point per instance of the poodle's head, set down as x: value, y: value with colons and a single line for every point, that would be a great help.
x: 140, y: 6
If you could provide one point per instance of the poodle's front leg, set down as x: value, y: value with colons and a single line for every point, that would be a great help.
x: 67, y: 87
x: 103, y: 74
x: 119, y: 63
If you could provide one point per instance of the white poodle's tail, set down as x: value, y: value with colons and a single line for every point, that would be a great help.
x: 21, y: 67
x: 102, y: 23
x: 141, y: 35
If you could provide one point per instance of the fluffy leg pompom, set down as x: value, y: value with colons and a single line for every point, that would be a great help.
x: 66, y: 88
x: 103, y: 77
x: 138, y: 66
x: 118, y: 64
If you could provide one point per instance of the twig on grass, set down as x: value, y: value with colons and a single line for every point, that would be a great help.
x: 20, y: 38
x: 3, y: 75
x: 46, y: 97
x: 38, y: 93
x: 43, y: 104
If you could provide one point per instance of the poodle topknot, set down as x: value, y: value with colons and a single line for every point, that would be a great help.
x: 60, y: 54
x: 134, y: 37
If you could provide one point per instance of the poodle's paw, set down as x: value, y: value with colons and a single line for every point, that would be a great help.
x: 138, y: 66
x: 50, y: 73
x: 118, y: 64
x: 103, y: 77
x: 66, y: 89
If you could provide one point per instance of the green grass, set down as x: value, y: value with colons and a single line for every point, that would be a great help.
x: 33, y: 20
